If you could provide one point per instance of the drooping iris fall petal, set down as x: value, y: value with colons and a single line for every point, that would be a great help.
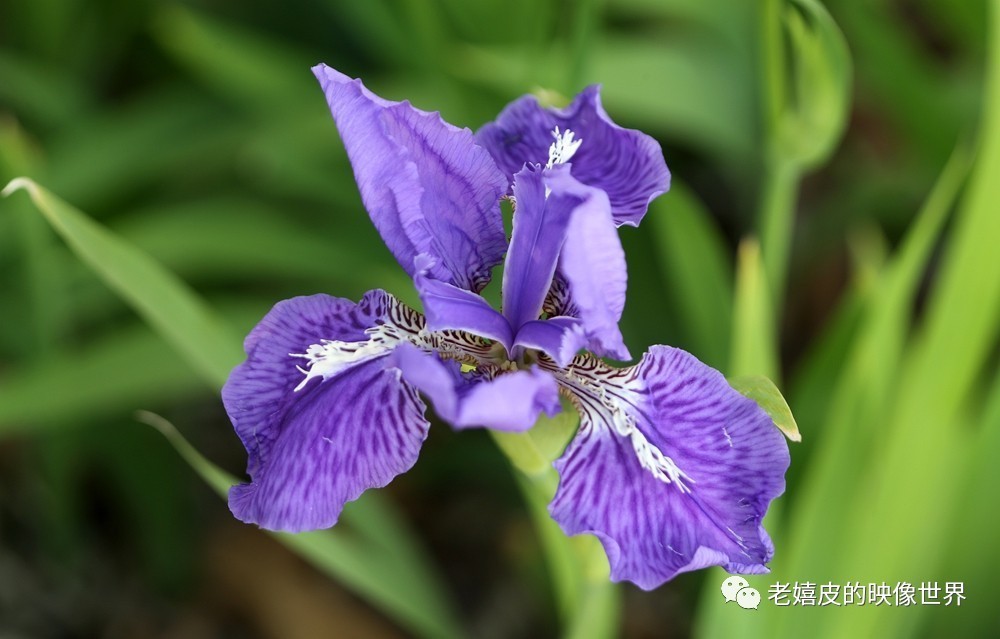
x: 313, y: 449
x: 672, y: 469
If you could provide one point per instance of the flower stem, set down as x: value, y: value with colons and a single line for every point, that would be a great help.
x: 588, y: 601
x: 777, y: 220
x: 776, y: 213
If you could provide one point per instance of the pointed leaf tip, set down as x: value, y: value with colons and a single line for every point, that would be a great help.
x: 19, y: 183
x: 217, y: 479
x: 763, y: 391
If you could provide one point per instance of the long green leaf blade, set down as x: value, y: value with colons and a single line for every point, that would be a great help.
x: 375, y: 572
x: 157, y: 295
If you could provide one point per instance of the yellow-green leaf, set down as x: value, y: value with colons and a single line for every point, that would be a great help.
x: 763, y: 391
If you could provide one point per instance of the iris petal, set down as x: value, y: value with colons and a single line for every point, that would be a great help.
x: 313, y: 450
x: 592, y: 263
x: 428, y: 187
x: 540, y: 226
x: 724, y: 456
x: 449, y: 307
x: 561, y: 338
x: 626, y: 164
x: 491, y: 398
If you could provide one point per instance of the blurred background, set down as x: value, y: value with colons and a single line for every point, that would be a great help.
x: 830, y: 226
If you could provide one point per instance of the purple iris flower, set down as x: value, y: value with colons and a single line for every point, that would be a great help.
x: 671, y: 468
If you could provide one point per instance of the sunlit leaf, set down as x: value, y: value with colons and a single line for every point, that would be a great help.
x: 763, y: 391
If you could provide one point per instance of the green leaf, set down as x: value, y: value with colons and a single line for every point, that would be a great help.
x: 532, y: 452
x: 763, y: 391
x: 874, y: 356
x: 157, y: 295
x: 927, y: 429
x: 693, y: 259
x: 860, y: 433
x: 754, y: 351
x: 973, y: 530
x: 382, y: 570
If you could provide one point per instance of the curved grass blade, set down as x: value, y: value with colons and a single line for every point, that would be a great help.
x: 157, y: 295
x: 372, y: 570
x: 400, y: 583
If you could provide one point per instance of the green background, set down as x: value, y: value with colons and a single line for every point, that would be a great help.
x: 832, y: 225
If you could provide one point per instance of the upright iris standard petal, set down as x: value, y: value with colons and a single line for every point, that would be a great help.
x: 428, y: 187
x: 486, y: 396
x: 592, y: 263
x: 540, y: 226
x: 626, y: 164
x: 672, y: 469
x: 564, y: 227
x: 313, y: 449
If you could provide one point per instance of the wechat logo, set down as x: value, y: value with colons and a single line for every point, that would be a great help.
x: 737, y: 589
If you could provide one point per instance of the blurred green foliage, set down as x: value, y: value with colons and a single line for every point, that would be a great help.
x: 830, y: 226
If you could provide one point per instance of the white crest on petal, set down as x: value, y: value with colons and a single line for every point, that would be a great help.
x: 328, y: 358
x: 564, y: 147
x: 597, y: 388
